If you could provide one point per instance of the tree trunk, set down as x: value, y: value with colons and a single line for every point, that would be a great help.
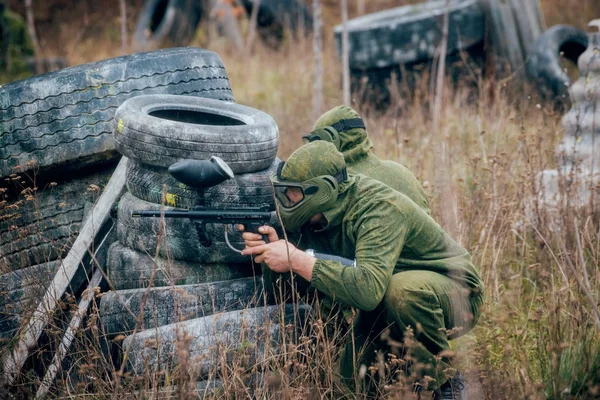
x: 252, y: 27
x: 318, y: 57
x: 123, y: 26
x: 345, y: 56
x: 33, y: 35
x: 360, y: 7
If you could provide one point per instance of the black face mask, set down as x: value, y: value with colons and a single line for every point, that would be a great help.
x: 332, y: 133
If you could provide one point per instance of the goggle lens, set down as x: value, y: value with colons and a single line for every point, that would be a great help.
x: 289, y: 196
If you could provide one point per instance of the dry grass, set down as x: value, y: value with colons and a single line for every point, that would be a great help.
x: 537, y: 337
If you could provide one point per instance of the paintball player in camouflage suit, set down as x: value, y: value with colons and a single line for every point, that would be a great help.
x: 408, y: 272
x: 344, y: 127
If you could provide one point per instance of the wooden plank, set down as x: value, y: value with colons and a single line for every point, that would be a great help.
x: 529, y: 19
x: 69, y: 335
x: 503, y: 34
x: 98, y: 261
x: 14, y: 360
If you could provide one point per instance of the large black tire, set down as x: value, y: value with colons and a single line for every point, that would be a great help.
x: 167, y: 305
x: 19, y: 292
x: 131, y: 269
x: 161, y: 130
x: 66, y: 117
x: 544, y: 67
x: 245, y: 190
x: 252, y: 334
x: 180, y: 240
x: 410, y: 34
x: 167, y: 23
x: 38, y: 229
x: 275, y: 16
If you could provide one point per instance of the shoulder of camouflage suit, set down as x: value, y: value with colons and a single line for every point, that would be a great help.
x: 388, y: 233
x: 394, y: 175
x: 356, y: 147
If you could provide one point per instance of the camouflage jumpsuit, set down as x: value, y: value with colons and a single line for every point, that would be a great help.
x: 409, y: 272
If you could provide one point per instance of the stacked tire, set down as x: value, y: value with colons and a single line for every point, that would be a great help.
x: 397, y: 42
x: 545, y: 66
x: 164, y: 23
x: 160, y: 271
x: 57, y: 152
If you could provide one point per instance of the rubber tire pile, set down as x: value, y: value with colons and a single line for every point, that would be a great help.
x: 57, y: 151
x: 165, y: 23
x: 395, y: 46
x: 399, y: 41
x: 159, y: 270
x: 65, y: 122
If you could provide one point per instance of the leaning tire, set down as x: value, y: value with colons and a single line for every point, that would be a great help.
x: 167, y: 305
x: 166, y: 23
x: 41, y: 228
x: 275, y: 16
x: 131, y: 269
x: 179, y: 240
x: 19, y: 291
x: 161, y: 130
x: 66, y: 117
x: 411, y: 34
x: 245, y: 190
x: 544, y: 63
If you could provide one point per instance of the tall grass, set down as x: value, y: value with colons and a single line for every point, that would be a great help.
x: 538, y: 336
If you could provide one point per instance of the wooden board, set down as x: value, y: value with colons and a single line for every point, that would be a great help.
x: 512, y: 25
x: 94, y: 224
x: 529, y: 20
x: 69, y: 335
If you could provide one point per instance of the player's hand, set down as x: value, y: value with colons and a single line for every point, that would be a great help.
x: 252, y: 239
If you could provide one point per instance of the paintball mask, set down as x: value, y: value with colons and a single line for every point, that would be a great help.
x: 332, y: 133
x: 300, y: 201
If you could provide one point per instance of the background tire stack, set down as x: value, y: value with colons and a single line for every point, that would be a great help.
x: 402, y: 42
x: 575, y: 183
x: 160, y: 273
x: 164, y: 23
x: 63, y: 121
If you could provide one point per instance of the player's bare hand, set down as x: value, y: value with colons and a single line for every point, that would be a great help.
x: 252, y: 239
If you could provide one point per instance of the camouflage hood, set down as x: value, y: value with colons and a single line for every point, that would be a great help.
x: 317, y: 159
x: 354, y: 143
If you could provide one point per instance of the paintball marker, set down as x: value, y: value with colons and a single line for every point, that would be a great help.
x: 202, y: 174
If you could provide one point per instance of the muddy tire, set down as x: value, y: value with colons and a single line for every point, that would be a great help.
x: 245, y: 190
x: 179, y: 240
x: 251, y: 335
x: 167, y: 23
x: 544, y: 63
x: 161, y: 130
x: 66, y: 117
x: 131, y: 269
x: 410, y: 34
x: 167, y: 305
x: 19, y: 292
x: 276, y: 16
x: 38, y: 229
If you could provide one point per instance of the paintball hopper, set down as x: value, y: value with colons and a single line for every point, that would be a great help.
x: 201, y: 174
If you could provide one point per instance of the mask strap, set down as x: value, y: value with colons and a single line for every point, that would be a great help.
x: 333, y: 137
x: 347, y: 124
x: 279, y: 169
x: 341, y: 176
